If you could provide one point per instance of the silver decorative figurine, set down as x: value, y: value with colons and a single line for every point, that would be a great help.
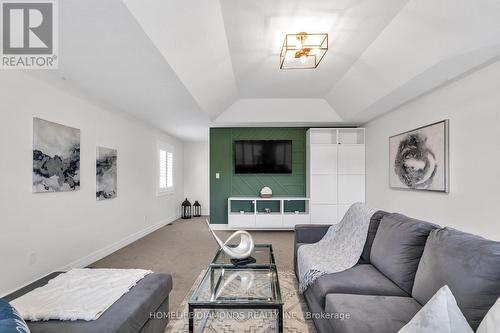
x: 243, y: 250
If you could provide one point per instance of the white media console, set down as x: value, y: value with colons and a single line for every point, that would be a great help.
x: 335, y: 179
x: 267, y: 213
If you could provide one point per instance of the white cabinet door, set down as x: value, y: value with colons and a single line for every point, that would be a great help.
x: 323, y: 159
x: 241, y: 221
x: 265, y: 221
x: 323, y: 189
x: 351, y: 159
x: 351, y: 189
x: 324, y: 214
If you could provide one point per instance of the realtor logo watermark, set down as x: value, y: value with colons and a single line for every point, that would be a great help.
x: 29, y: 36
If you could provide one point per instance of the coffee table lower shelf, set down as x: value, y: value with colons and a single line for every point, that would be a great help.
x: 251, y: 290
x: 277, y: 308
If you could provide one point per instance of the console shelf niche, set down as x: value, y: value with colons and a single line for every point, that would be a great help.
x: 267, y: 213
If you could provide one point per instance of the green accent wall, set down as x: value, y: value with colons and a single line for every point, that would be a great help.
x: 232, y: 185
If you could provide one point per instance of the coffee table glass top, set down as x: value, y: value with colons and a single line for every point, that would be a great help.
x: 263, y: 253
x: 231, y: 286
x: 251, y: 284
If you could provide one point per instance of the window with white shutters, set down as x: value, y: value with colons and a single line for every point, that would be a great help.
x: 165, y: 170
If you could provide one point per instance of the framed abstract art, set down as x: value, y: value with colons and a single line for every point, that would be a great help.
x: 56, y: 157
x: 106, y: 173
x: 419, y: 159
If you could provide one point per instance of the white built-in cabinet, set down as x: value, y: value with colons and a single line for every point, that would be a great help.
x: 267, y: 213
x: 335, y: 180
x: 335, y: 172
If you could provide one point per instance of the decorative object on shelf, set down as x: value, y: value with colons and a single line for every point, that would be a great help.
x: 186, y: 209
x: 56, y: 157
x: 266, y: 192
x: 243, y: 262
x: 267, y: 210
x: 196, y: 209
x: 303, y: 50
x: 106, y: 173
x: 244, y: 248
x: 419, y: 159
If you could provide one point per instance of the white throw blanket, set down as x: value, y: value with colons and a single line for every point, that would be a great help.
x: 338, y: 250
x: 80, y: 294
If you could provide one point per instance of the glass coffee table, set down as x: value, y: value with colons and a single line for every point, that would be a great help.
x: 249, y: 293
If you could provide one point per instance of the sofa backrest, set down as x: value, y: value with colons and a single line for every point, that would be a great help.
x: 468, y: 264
x: 398, y: 246
x: 372, y: 231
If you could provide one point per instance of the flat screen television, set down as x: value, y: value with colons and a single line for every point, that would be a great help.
x: 263, y: 156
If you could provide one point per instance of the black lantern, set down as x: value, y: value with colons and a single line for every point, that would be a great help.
x: 186, y: 209
x: 196, y: 209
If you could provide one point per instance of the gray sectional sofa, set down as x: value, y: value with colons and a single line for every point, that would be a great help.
x: 404, y: 262
x: 144, y: 309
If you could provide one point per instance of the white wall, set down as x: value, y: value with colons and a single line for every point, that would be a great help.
x: 473, y: 106
x: 196, y: 174
x: 265, y: 111
x: 70, y: 229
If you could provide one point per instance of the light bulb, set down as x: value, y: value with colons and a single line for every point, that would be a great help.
x: 303, y: 59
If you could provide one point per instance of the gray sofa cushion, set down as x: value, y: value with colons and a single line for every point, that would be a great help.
x: 398, y: 246
x: 372, y: 231
x: 370, y: 314
x: 129, y: 314
x: 316, y: 310
x: 361, y: 279
x: 468, y: 264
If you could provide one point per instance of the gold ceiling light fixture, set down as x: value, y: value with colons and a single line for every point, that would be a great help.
x: 303, y: 50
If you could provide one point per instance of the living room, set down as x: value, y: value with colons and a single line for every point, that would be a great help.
x: 250, y: 166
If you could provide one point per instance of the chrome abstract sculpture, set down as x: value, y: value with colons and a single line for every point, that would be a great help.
x: 242, y: 251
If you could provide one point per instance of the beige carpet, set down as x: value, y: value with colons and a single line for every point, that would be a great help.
x: 293, y: 310
x: 184, y: 248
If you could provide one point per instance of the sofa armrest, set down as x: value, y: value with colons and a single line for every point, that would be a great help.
x: 310, y: 233
x: 307, y: 234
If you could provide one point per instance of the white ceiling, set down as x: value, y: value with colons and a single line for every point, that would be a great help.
x: 183, y: 66
x: 255, y: 30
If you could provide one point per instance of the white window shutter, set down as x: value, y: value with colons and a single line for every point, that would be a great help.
x: 170, y: 170
x: 163, y: 170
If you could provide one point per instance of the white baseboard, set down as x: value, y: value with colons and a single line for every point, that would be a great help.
x: 105, y: 251
x: 101, y: 253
